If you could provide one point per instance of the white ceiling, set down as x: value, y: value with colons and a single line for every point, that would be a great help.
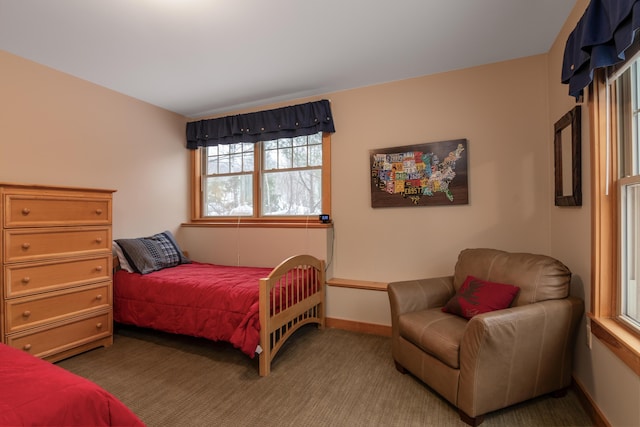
x: 202, y: 57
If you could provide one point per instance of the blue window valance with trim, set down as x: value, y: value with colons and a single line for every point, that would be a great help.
x: 601, y: 37
x: 286, y: 122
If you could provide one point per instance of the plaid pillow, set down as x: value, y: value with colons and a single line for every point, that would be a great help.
x: 153, y: 253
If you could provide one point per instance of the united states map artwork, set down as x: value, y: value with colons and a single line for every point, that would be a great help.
x: 418, y: 174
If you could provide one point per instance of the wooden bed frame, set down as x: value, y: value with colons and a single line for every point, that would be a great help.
x: 300, y: 281
x: 292, y: 296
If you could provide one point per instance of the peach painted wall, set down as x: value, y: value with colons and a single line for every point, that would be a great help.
x: 613, y: 386
x: 505, y: 123
x: 59, y: 130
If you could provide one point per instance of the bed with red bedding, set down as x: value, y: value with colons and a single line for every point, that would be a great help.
x: 255, y: 309
x: 36, y: 392
x: 211, y: 301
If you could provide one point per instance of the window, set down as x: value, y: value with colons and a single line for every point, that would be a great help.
x: 228, y: 179
x: 626, y: 108
x: 287, y: 178
x: 614, y: 104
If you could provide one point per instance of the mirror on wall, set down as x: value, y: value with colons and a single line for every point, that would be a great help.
x: 568, y: 159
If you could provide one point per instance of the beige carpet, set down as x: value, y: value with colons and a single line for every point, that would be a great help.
x: 324, y: 377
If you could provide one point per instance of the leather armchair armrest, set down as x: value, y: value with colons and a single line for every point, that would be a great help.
x: 414, y: 295
x: 511, y: 355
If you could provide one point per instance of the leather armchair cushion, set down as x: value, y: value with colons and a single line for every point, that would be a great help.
x: 435, y: 332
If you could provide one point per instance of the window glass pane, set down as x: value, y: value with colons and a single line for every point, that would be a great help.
x: 315, y: 155
x: 285, y: 158
x: 292, y: 192
x: 270, y: 159
x: 223, y: 165
x: 630, y: 197
x: 627, y: 87
x: 212, y: 165
x: 285, y: 143
x: 299, y: 140
x: 247, y: 162
x: 316, y: 138
x: 300, y: 157
x: 235, y: 163
x: 271, y: 145
x: 230, y: 195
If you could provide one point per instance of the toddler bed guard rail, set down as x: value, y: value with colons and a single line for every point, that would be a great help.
x: 290, y: 297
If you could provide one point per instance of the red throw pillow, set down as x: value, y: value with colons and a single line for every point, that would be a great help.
x: 477, y: 296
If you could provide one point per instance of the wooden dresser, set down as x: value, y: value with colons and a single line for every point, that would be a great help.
x: 56, y: 283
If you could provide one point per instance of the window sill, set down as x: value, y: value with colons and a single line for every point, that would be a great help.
x: 624, y: 344
x: 260, y: 223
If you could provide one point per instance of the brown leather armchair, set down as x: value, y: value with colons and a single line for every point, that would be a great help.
x: 494, y: 359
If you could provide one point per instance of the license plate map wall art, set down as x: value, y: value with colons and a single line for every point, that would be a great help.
x: 430, y: 174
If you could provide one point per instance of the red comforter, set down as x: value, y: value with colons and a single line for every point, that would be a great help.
x: 36, y: 392
x: 220, y: 303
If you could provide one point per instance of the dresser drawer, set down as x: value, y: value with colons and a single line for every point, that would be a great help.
x: 53, y: 306
x: 42, y: 342
x: 33, y: 244
x: 24, y: 279
x: 43, y: 211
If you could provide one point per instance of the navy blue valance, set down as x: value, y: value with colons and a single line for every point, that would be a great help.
x: 601, y: 37
x: 286, y: 122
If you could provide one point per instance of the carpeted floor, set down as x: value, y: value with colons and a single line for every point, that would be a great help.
x: 326, y: 377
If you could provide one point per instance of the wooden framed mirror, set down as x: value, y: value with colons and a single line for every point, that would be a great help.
x: 568, y: 159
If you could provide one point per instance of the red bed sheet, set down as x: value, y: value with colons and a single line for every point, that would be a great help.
x: 217, y: 302
x: 34, y: 392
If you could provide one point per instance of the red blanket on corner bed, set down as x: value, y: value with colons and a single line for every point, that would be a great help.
x: 220, y: 303
x: 36, y: 392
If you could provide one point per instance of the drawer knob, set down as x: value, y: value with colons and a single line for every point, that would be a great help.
x: 99, y: 268
x: 26, y: 279
x: 99, y: 326
x: 99, y: 240
x: 26, y: 313
x: 98, y: 297
x: 26, y: 347
x: 26, y: 211
x: 26, y: 246
x: 98, y: 211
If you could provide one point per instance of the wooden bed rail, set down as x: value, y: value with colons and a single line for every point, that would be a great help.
x: 292, y: 296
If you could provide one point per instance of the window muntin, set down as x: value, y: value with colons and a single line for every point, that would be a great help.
x: 276, y: 178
